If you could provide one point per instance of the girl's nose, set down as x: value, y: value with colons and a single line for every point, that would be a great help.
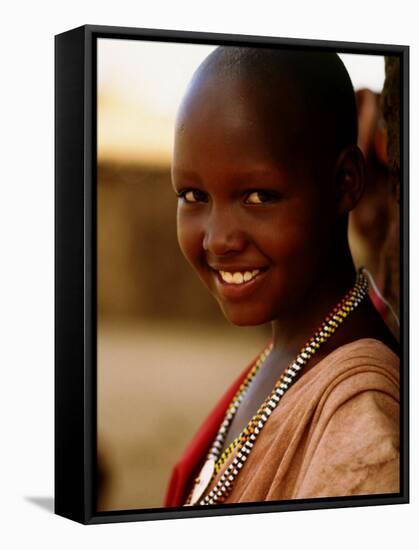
x: 223, y: 234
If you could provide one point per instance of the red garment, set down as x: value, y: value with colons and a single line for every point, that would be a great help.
x: 379, y: 305
x: 198, y: 448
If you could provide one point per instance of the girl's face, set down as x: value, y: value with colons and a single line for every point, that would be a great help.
x: 251, y: 219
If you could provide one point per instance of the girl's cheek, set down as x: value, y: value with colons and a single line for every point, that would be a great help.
x: 188, y: 240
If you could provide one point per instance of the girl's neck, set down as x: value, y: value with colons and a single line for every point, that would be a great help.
x: 329, y: 287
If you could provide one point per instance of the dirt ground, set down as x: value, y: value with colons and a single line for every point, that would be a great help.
x: 156, y: 383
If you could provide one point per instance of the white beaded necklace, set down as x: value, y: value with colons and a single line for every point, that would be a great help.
x: 248, y: 436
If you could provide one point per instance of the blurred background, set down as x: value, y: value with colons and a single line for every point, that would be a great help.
x: 165, y: 352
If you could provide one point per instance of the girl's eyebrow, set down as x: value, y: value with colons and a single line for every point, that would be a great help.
x: 239, y: 176
x: 258, y: 176
x: 186, y: 173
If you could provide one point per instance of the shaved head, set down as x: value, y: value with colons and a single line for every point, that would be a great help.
x: 306, y: 99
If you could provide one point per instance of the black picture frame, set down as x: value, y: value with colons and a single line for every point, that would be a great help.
x: 76, y: 272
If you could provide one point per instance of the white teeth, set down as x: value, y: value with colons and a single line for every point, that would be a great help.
x: 247, y: 276
x: 226, y: 276
x: 238, y: 278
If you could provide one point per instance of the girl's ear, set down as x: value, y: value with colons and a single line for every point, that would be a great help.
x: 349, y: 179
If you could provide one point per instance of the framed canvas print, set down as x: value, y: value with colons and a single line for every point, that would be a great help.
x: 231, y: 274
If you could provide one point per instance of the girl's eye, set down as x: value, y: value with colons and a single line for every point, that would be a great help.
x: 192, y: 195
x: 260, y: 197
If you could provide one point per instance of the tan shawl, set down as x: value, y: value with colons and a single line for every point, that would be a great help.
x: 334, y: 433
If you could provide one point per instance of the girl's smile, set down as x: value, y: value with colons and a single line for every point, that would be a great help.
x: 237, y: 284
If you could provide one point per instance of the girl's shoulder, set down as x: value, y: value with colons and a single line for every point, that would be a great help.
x: 353, y: 440
x: 363, y: 355
x: 365, y: 348
x: 351, y: 369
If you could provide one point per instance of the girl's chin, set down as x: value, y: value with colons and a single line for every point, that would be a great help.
x: 244, y: 318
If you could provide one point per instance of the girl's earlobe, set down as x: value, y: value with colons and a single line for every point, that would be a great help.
x: 349, y: 179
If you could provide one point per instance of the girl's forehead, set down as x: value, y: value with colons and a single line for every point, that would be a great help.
x: 243, y: 100
x: 238, y: 122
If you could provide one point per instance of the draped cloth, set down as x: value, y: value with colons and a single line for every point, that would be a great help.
x: 334, y: 433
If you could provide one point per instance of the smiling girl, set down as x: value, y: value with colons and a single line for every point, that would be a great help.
x: 266, y: 170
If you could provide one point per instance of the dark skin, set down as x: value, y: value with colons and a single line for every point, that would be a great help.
x: 250, y: 200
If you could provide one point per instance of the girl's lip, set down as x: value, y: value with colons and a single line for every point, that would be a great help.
x: 235, y: 269
x: 231, y: 290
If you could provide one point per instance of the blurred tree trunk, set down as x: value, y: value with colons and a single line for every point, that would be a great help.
x: 391, y: 253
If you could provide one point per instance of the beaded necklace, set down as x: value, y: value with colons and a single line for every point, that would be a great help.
x: 245, y: 441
